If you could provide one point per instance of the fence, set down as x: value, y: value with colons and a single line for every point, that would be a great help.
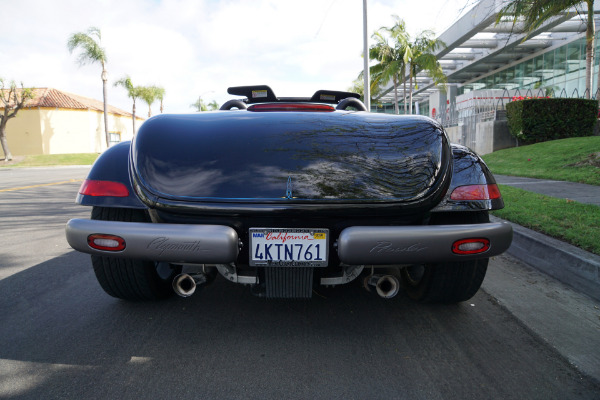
x: 490, y: 105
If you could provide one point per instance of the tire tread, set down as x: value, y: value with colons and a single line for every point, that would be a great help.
x: 128, y: 279
x: 455, y: 281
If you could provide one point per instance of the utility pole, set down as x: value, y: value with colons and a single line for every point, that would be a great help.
x: 367, y: 84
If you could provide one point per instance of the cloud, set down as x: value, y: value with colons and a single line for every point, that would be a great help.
x: 194, y: 47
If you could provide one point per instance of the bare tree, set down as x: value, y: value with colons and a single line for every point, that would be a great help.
x: 13, y: 99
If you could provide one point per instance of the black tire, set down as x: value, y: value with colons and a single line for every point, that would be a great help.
x: 129, y: 279
x: 451, y: 282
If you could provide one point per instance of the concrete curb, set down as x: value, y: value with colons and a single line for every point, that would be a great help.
x: 567, y: 263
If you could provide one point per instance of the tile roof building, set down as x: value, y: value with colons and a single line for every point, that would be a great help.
x: 54, y: 98
x: 58, y: 122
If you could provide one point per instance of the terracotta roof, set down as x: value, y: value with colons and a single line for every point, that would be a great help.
x: 54, y: 98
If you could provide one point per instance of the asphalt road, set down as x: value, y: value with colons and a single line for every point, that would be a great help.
x: 62, y: 337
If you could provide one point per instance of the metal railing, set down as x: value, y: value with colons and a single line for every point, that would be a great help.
x: 492, y: 106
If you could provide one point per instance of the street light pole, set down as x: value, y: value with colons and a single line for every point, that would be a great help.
x: 367, y: 84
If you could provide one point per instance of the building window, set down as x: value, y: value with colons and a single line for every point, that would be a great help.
x: 114, y: 138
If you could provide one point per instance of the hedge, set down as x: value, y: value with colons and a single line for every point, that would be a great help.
x: 540, y: 120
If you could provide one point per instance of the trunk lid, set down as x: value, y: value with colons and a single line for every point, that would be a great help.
x: 245, y: 156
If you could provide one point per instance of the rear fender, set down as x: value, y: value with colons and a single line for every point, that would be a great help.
x: 468, y: 169
x: 112, y: 165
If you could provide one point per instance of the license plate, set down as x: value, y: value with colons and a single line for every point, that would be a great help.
x: 289, y: 247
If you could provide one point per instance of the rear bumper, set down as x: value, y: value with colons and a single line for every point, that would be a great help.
x: 359, y: 245
x: 177, y: 243
x: 386, y: 245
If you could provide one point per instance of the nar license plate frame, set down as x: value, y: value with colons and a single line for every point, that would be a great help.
x: 289, y: 247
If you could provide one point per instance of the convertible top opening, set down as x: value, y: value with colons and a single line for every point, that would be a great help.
x: 264, y: 94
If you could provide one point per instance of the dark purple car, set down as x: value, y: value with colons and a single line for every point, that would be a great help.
x: 286, y: 194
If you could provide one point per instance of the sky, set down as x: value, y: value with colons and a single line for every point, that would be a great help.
x: 195, y: 48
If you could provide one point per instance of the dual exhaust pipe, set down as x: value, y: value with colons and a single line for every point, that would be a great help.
x: 185, y: 285
x: 386, y: 286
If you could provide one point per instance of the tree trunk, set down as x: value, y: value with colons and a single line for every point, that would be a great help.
x: 4, y: 142
x: 410, y: 92
x: 104, y: 79
x: 589, y: 49
x: 161, y: 107
x: 397, y: 108
x: 133, y: 114
x: 404, y: 94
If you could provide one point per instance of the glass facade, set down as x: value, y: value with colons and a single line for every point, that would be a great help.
x: 389, y: 108
x: 559, y: 72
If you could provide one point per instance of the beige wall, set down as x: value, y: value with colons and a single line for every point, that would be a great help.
x: 62, y: 131
x: 24, y: 134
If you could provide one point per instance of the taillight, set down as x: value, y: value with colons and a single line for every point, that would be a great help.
x: 103, y: 188
x: 471, y: 246
x: 476, y: 192
x: 291, y: 107
x: 104, y: 242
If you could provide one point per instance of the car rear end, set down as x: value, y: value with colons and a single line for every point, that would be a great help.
x: 287, y: 196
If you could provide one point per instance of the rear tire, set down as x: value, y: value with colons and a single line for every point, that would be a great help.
x: 450, y: 282
x: 129, y: 279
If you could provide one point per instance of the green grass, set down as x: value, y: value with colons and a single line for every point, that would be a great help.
x: 573, y: 160
x: 575, y: 223
x: 52, y: 160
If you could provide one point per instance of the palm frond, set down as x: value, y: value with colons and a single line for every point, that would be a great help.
x: 91, y: 51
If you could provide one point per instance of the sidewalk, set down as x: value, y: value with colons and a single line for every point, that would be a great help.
x: 567, y: 263
x: 579, y: 192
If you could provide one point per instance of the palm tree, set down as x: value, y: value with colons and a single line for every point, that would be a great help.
x: 420, y: 55
x: 160, y: 95
x: 199, y: 105
x: 149, y: 94
x: 92, y: 52
x: 132, y: 91
x: 391, y: 64
x: 213, y: 105
x: 358, y: 86
x: 534, y: 13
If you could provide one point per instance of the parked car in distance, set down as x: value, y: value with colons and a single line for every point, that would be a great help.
x: 288, y: 194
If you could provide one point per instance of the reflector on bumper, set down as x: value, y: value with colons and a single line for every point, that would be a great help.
x: 106, y: 242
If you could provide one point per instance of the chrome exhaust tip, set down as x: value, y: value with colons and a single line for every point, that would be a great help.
x: 184, y: 285
x: 386, y: 286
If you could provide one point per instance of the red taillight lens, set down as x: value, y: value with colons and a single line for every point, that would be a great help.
x: 471, y: 246
x: 103, y: 188
x: 291, y: 107
x: 106, y: 242
x: 476, y: 192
